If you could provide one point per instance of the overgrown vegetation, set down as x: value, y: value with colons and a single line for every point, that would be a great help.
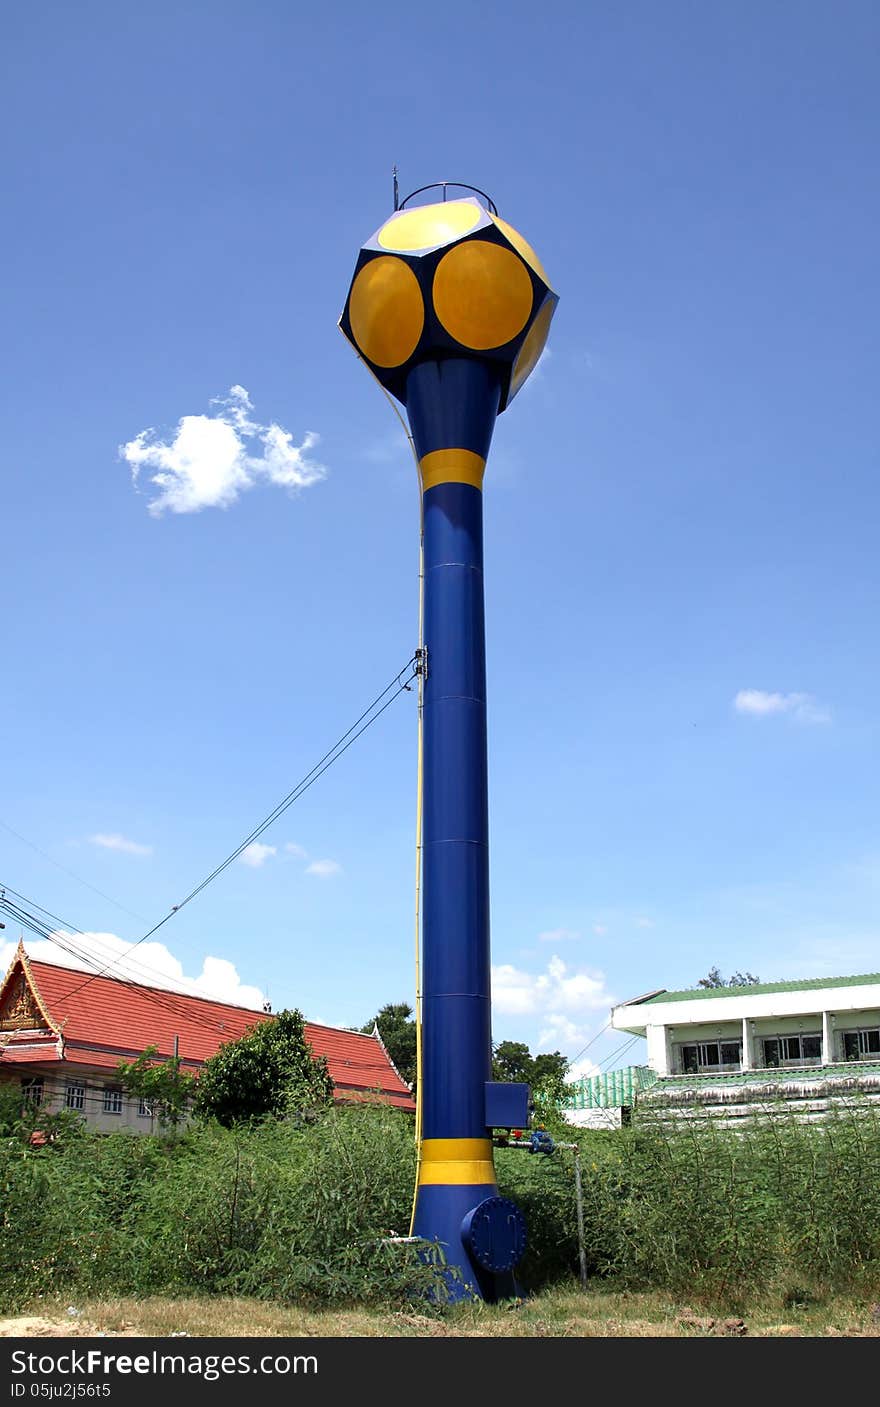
x: 165, y: 1088
x: 270, y: 1071
x: 293, y: 1210
x: 299, y: 1210
x: 776, y: 1203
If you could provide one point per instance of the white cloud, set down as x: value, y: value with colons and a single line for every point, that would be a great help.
x: 642, y: 922
x: 298, y: 851
x: 324, y: 869
x: 559, y: 1030
x: 558, y: 935
x: 120, y: 843
x: 600, y: 930
x: 149, y: 963
x: 513, y: 991
x: 211, y: 459
x: 555, y: 992
x: 583, y: 1069
x: 759, y: 704
x: 219, y: 979
x: 256, y: 854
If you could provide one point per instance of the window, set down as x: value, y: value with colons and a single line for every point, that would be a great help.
x: 75, y: 1095
x: 32, y: 1090
x: 145, y: 1109
x: 711, y: 1057
x: 112, y: 1099
x: 862, y: 1045
x: 787, y: 1051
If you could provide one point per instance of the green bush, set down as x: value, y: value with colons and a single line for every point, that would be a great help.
x: 698, y: 1208
x: 285, y: 1210
x: 301, y: 1210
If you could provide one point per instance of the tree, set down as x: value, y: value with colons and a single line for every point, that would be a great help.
x: 268, y: 1073
x: 513, y: 1061
x: 160, y: 1083
x: 714, y: 978
x: 397, y: 1029
x: 550, y: 1073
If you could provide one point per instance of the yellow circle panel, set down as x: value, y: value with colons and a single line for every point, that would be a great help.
x: 482, y: 294
x: 386, y: 311
x: 532, y: 347
x: 522, y: 247
x: 429, y: 225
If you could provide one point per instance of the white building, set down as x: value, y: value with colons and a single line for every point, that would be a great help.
x: 804, y: 1044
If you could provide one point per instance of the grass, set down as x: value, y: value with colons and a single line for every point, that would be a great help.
x: 281, y: 1230
x: 566, y: 1312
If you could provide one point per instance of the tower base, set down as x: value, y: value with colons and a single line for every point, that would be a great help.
x: 480, y: 1235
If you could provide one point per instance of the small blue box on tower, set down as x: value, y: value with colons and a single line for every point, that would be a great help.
x: 507, y: 1106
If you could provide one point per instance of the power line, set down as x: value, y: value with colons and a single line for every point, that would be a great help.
x: 621, y: 1050
x: 165, y: 1001
x: 590, y: 1042
x: 175, y: 1003
x: 399, y: 683
x: 56, y: 936
x: 7, y: 888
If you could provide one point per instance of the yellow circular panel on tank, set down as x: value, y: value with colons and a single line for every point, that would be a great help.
x: 482, y: 294
x: 429, y: 225
x: 531, y: 349
x: 522, y: 247
x: 386, y: 311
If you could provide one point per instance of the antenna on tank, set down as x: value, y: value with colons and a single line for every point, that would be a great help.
x: 396, y: 187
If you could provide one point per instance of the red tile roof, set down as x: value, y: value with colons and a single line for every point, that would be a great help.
x: 21, y: 1054
x: 103, y: 1020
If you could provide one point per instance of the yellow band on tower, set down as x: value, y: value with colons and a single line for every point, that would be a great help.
x: 452, y: 466
x: 456, y: 1161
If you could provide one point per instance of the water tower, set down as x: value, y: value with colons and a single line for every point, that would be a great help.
x: 450, y: 308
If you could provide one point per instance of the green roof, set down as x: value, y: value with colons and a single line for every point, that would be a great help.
x: 756, y: 988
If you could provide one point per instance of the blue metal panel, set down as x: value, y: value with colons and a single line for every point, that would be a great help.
x: 507, y: 1105
x: 456, y: 984
x: 495, y: 1234
x: 452, y: 404
x: 454, y: 740
x: 456, y: 1041
x: 459, y: 654
x: 459, y: 895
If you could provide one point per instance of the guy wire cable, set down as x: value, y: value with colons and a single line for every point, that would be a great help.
x: 333, y: 755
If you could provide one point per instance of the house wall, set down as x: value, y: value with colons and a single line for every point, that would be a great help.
x: 754, y: 1033
x: 719, y: 1031
x: 95, y: 1081
x: 750, y: 1018
x: 788, y: 1025
x: 658, y: 1048
x: 595, y: 1118
x: 853, y: 1020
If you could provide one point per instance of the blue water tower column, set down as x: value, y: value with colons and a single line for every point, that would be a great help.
x: 451, y: 308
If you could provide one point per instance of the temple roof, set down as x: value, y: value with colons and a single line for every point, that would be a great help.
x: 98, y: 1020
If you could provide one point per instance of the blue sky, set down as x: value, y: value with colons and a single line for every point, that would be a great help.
x: 681, y: 509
